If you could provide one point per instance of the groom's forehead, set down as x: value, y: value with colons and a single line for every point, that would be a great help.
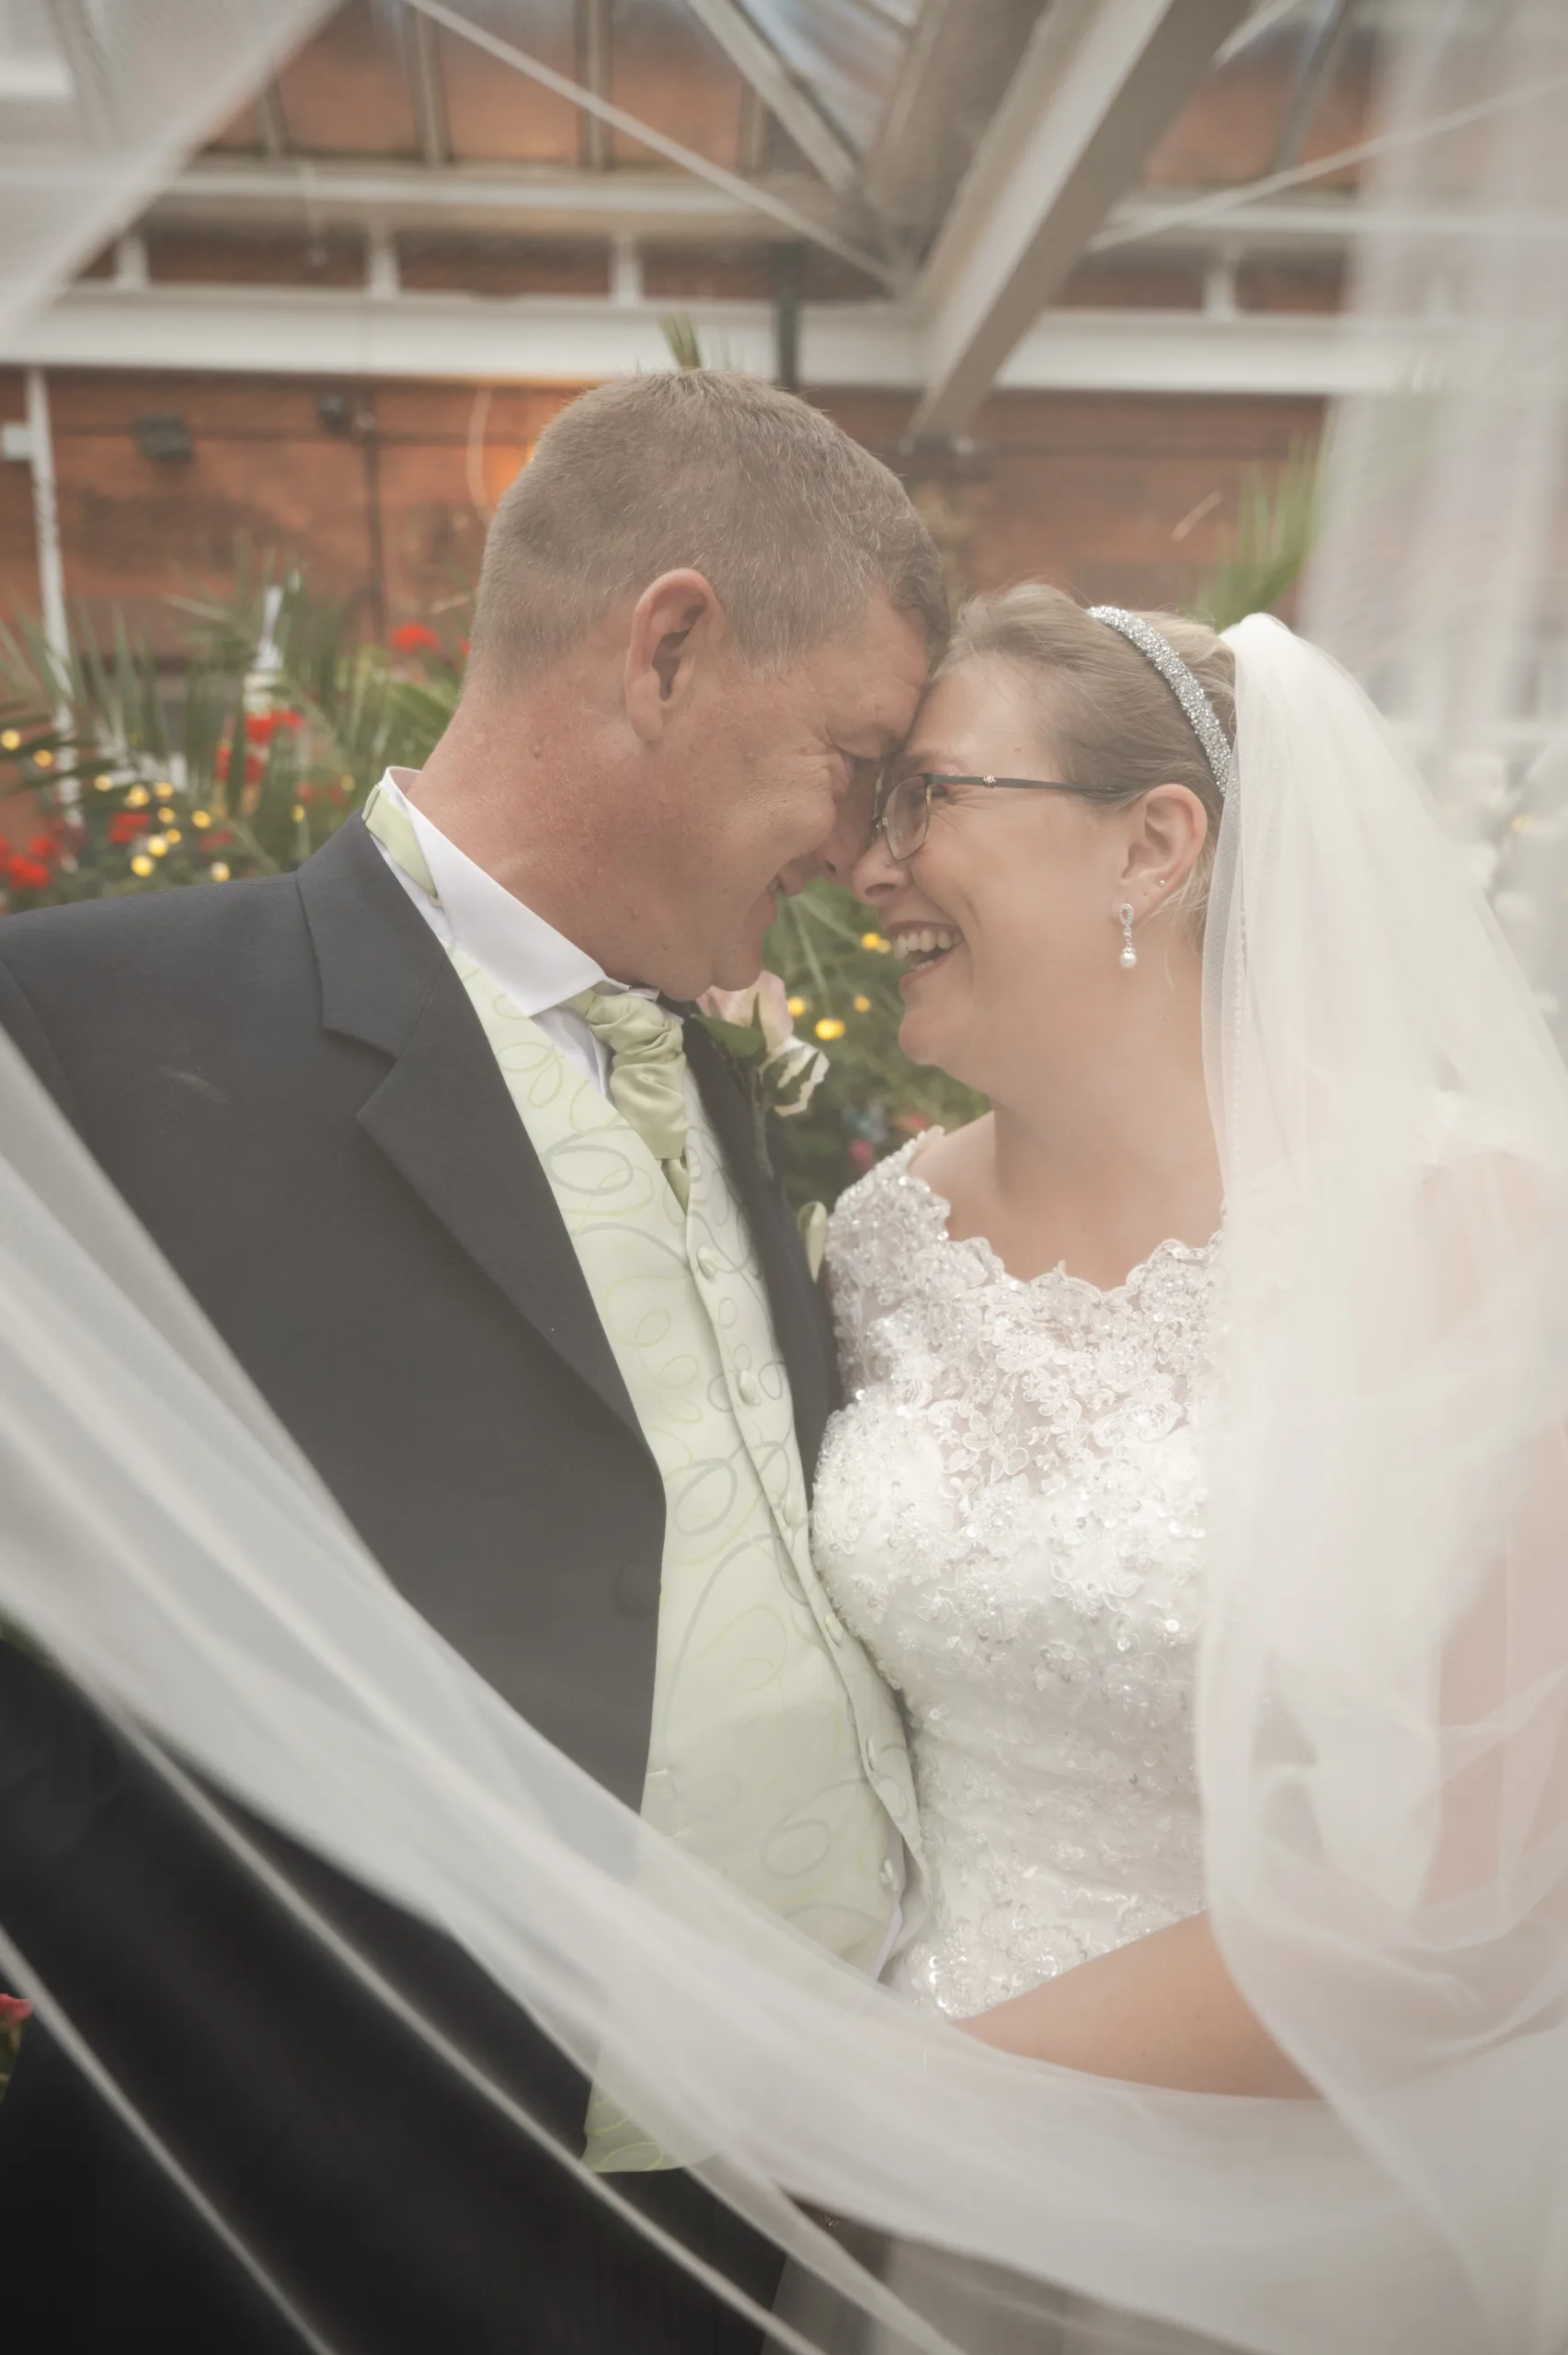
x: 880, y: 675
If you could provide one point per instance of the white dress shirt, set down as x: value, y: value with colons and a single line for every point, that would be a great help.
x: 538, y: 967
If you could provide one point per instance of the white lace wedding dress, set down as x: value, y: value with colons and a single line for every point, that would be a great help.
x: 1010, y: 1514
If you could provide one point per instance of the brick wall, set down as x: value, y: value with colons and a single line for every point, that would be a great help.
x: 1116, y: 497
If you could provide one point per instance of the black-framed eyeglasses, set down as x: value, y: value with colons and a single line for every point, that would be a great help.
x: 903, y: 816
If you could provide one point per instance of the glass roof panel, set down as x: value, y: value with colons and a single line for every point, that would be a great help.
x: 665, y: 69
x: 347, y: 92
x: 847, y: 51
x: 496, y: 114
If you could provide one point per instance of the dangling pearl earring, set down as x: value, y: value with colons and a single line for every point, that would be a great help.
x: 1129, y: 954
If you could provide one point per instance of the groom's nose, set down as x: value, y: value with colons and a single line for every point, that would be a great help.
x: 836, y: 858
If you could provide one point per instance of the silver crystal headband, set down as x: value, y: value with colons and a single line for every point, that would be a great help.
x: 1182, y: 682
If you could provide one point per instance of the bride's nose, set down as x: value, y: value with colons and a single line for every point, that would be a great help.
x: 876, y: 871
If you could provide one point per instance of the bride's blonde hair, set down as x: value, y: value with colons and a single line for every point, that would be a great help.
x: 1113, y: 725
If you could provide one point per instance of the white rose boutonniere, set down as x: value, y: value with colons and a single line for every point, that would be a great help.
x: 756, y: 1031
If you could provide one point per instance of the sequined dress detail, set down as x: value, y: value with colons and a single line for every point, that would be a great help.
x: 1010, y: 1514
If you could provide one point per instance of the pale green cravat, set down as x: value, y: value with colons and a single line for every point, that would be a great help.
x: 648, y: 1057
x: 648, y: 1073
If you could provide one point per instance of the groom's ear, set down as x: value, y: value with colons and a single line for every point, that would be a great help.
x: 676, y: 622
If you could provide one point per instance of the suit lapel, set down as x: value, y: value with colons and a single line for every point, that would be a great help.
x: 441, y: 1114
x: 800, y: 1317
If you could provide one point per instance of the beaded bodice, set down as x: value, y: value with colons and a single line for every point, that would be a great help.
x: 1010, y: 1514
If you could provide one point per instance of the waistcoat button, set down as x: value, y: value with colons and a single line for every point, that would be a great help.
x: 888, y: 1873
x: 835, y: 1627
x: 747, y: 1390
x: 707, y: 1266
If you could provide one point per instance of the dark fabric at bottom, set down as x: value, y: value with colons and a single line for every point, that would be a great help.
x: 402, y: 2212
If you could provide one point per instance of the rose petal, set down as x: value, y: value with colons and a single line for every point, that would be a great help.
x: 773, y: 1010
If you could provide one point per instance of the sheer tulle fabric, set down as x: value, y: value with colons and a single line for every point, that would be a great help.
x: 99, y: 106
x: 1381, y: 1722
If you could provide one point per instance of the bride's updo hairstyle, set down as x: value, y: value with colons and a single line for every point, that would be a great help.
x: 1112, y: 723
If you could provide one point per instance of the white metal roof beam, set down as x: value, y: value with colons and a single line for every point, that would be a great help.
x: 427, y: 87
x: 758, y: 62
x: 1099, y: 83
x: 545, y: 201
x: 567, y: 340
x: 957, y: 67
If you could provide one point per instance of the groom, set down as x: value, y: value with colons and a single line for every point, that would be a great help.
x: 351, y: 1105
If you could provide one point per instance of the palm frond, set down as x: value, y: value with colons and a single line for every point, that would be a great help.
x: 681, y: 336
x: 1263, y: 552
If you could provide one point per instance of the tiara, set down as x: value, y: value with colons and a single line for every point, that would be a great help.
x: 1182, y: 682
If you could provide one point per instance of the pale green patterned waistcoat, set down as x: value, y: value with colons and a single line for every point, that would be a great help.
x: 776, y: 1754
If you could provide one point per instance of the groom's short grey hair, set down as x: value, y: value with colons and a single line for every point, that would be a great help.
x: 797, y: 528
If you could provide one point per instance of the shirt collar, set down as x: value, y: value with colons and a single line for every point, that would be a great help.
x: 537, y: 966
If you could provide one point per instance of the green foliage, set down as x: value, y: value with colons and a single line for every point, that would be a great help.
x: 1265, y: 551
x: 241, y: 759
x: 681, y: 340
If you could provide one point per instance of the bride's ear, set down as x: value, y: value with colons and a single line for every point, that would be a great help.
x: 1166, y: 835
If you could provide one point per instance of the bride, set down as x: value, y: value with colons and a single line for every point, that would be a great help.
x: 1012, y: 1511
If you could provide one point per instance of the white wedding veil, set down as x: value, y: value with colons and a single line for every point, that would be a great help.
x: 1380, y: 1713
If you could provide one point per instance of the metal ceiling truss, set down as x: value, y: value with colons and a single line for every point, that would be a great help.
x: 1099, y: 83
x: 558, y: 201
x: 426, y: 87
x: 784, y: 95
x: 560, y: 339
x: 749, y: 192
x: 1011, y: 144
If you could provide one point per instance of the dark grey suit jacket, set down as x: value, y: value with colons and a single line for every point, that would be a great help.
x: 288, y: 1084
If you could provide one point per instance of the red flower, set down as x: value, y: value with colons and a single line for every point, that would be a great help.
x: 305, y: 795
x: 219, y: 839
x: 288, y: 719
x: 414, y: 637
x: 44, y: 846
x: 13, y: 2010
x: 259, y: 726
x: 126, y: 824
x: 26, y: 874
x: 862, y: 1154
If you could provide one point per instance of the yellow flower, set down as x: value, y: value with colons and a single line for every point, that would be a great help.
x: 797, y: 1007
x: 105, y: 783
x: 830, y: 1027
x: 164, y: 790
x: 138, y: 797
x: 10, y: 740
x: 141, y: 864
x: 218, y: 871
x: 298, y: 813
x: 346, y: 781
x: 157, y: 846
x: 863, y: 1005
x: 171, y: 833
x: 44, y: 760
x: 874, y: 940
x: 200, y: 817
